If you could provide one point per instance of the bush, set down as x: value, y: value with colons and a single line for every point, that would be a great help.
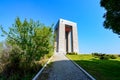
x: 119, y: 55
x: 14, y: 66
x: 11, y: 61
x: 95, y: 54
x: 103, y: 56
x: 72, y: 53
x: 33, y: 40
x: 113, y: 56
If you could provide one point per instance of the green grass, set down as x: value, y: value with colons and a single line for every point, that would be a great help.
x: 99, y: 69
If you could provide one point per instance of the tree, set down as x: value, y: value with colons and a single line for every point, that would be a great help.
x: 33, y: 38
x: 112, y: 15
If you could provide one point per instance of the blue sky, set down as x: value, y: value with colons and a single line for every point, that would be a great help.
x: 86, y: 13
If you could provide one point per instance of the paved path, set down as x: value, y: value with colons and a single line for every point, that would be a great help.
x: 64, y: 69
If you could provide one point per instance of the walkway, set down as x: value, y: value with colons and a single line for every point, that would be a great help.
x: 63, y: 69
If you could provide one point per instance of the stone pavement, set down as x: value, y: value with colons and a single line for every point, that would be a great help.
x: 63, y: 69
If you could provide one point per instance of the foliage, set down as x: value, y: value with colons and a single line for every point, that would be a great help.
x: 72, y: 53
x: 112, y: 15
x: 104, y: 56
x: 99, y: 69
x: 27, y: 43
x: 12, y: 66
x: 1, y: 46
x: 113, y: 56
x: 97, y: 54
x: 34, y: 38
x: 119, y: 55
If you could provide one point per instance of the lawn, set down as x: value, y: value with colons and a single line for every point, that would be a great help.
x: 99, y: 69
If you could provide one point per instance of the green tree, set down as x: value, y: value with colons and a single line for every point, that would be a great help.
x: 112, y: 15
x: 33, y: 38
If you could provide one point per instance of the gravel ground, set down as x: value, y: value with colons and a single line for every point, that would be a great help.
x: 63, y: 69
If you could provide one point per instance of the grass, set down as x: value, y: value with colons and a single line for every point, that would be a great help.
x: 99, y: 69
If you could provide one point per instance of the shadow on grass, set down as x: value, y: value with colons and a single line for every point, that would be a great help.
x: 101, y: 69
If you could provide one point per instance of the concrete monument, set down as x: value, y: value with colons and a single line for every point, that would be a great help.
x: 66, y: 37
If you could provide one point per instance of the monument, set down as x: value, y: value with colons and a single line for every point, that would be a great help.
x: 66, y: 37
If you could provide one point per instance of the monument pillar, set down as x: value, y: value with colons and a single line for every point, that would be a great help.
x: 75, y: 39
x: 61, y: 40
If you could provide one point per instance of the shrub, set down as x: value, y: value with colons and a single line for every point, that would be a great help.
x: 104, y: 57
x: 10, y: 60
x: 113, y: 56
x: 14, y: 66
x: 118, y: 55
x: 72, y: 53
x: 95, y: 54
x: 33, y: 40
